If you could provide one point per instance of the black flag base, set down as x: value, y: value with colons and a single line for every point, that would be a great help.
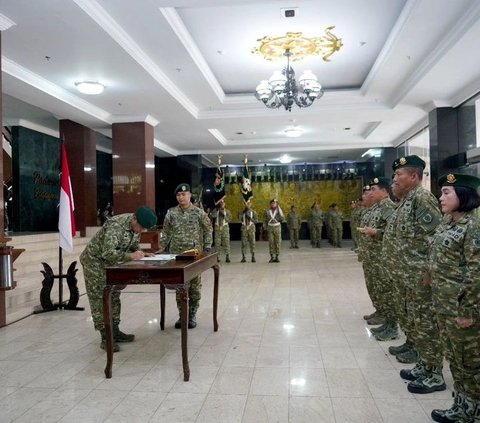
x: 47, y: 285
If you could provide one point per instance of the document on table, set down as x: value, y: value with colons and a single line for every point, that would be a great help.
x: 160, y: 257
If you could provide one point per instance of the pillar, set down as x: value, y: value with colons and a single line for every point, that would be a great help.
x: 81, y: 147
x: 133, y: 166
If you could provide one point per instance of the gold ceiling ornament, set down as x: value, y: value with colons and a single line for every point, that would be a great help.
x: 299, y: 46
x: 219, y: 160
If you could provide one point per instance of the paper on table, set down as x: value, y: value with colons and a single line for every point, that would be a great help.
x: 158, y: 257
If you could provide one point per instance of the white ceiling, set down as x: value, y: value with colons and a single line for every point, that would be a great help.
x: 160, y: 63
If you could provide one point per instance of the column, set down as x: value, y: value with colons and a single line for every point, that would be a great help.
x: 133, y: 166
x: 81, y: 146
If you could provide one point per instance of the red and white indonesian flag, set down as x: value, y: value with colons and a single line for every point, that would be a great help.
x: 66, y: 218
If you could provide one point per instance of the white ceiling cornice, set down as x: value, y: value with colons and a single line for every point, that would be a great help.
x: 116, y: 32
x: 164, y: 147
x: 32, y: 125
x: 177, y: 25
x: 469, y: 18
x: 36, y: 81
x: 132, y: 118
x: 5, y: 23
x: 390, y: 43
x: 218, y: 136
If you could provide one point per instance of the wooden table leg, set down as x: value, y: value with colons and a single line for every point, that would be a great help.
x: 162, y: 306
x: 216, y: 271
x: 184, y: 320
x: 107, y: 320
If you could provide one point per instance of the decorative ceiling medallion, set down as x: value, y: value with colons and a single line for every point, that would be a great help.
x: 273, y: 48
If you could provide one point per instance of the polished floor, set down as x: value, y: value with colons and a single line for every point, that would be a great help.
x: 291, y: 347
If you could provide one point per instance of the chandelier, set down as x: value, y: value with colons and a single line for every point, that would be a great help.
x: 282, y: 88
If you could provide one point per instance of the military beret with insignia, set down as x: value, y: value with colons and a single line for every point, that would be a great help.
x: 182, y: 188
x: 459, y: 180
x: 146, y: 217
x: 381, y: 181
x: 408, y: 161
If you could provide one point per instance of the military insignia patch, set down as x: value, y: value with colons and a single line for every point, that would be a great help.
x: 427, y: 218
x: 403, y: 161
x: 375, y: 180
x: 451, y: 178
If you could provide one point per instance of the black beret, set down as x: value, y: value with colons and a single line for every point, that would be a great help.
x: 408, y: 161
x: 459, y: 180
x: 182, y: 187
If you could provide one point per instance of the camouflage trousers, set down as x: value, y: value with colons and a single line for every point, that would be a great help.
x: 337, y: 234
x: 425, y: 333
x: 388, y: 294
x: 294, y: 237
x: 194, y: 294
x: 95, y: 281
x: 370, y: 278
x: 222, y: 239
x: 316, y: 235
x: 274, y: 239
x: 248, y: 239
x: 462, y: 350
x: 353, y: 231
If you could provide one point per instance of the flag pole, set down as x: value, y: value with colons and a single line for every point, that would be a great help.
x: 60, y: 278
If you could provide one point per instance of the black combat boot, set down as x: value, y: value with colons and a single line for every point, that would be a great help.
x: 453, y: 414
x: 119, y: 336
x: 276, y: 259
x: 253, y: 258
x: 243, y: 259
x: 192, y: 318
x: 272, y: 260
x: 432, y: 381
x: 227, y: 259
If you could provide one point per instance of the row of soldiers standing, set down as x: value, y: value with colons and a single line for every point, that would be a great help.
x: 421, y: 272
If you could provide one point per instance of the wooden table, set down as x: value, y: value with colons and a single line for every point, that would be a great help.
x: 172, y: 274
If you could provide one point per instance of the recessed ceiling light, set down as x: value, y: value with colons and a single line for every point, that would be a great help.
x: 90, y: 87
x: 285, y: 159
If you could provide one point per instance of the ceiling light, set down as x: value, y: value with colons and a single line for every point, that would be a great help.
x: 90, y: 87
x: 282, y: 89
x: 285, y: 159
x: 293, y: 132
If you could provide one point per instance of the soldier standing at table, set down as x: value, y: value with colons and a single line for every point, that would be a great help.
x: 186, y: 227
x: 248, y: 219
x: 293, y: 223
x: 221, y: 217
x: 316, y: 224
x: 272, y: 223
x: 117, y: 241
x: 418, y: 216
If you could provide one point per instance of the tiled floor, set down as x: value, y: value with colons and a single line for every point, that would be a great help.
x: 292, y: 347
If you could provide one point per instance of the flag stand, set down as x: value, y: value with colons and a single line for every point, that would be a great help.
x: 48, y: 282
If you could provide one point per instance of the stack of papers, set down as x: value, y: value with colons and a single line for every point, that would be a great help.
x: 160, y: 257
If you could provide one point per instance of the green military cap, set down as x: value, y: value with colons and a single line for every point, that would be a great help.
x: 146, y: 217
x: 182, y: 188
x: 381, y: 181
x: 459, y: 180
x: 408, y: 161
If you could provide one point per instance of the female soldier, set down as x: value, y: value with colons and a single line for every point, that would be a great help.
x: 454, y: 274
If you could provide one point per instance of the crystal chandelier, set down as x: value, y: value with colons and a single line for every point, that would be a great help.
x: 282, y: 89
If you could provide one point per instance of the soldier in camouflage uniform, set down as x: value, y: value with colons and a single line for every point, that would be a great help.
x: 454, y: 273
x: 336, y: 223
x: 315, y: 221
x: 248, y: 219
x: 355, y: 221
x: 116, y: 242
x: 273, y: 218
x: 418, y: 216
x: 221, y: 217
x: 294, y: 222
x: 372, y: 239
x: 186, y: 227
